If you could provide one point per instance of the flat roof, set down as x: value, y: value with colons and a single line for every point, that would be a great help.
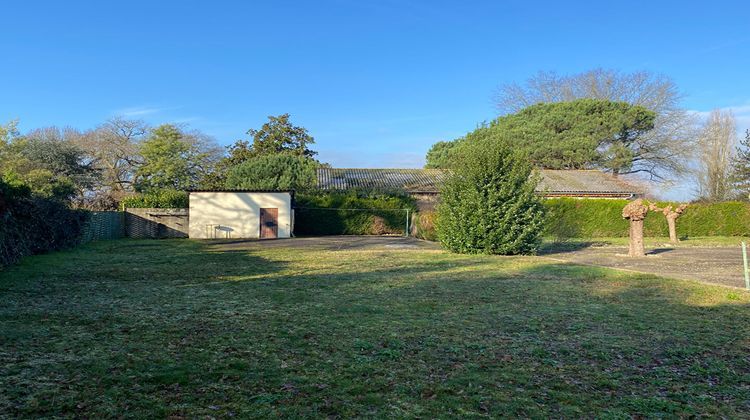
x: 239, y: 190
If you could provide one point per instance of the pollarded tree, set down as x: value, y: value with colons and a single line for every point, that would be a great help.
x: 488, y: 204
x: 280, y: 171
x: 635, y: 212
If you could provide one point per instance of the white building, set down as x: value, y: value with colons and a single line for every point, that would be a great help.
x: 241, y: 214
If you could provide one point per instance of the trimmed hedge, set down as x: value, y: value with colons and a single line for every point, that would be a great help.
x: 592, y: 218
x: 160, y: 199
x: 587, y: 218
x: 32, y: 225
x: 332, y: 214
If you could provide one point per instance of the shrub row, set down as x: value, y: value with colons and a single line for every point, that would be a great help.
x: 351, y: 213
x: 161, y: 199
x: 32, y: 225
x: 591, y: 218
x: 573, y: 218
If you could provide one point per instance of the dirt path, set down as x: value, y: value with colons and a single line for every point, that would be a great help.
x: 720, y: 265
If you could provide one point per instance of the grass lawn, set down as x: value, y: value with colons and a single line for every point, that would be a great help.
x: 176, y: 328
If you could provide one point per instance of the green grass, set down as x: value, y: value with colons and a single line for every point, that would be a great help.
x: 174, y: 328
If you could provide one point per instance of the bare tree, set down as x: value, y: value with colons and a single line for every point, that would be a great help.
x: 113, y: 148
x: 671, y: 214
x: 659, y: 153
x: 716, y: 148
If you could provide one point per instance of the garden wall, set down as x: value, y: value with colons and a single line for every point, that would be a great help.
x: 103, y: 225
x: 156, y: 223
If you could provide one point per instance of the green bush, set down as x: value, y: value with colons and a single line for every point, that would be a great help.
x: 159, y: 199
x: 488, y: 204
x: 590, y: 218
x: 344, y: 214
x: 30, y: 224
x: 278, y: 171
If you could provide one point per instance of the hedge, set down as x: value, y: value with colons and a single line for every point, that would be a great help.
x: 596, y: 218
x: 160, y: 199
x: 351, y: 213
x: 589, y: 218
x: 32, y: 225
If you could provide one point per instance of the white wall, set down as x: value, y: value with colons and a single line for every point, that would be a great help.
x: 237, y: 212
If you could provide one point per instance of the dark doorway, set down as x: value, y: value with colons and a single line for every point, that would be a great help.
x: 269, y: 223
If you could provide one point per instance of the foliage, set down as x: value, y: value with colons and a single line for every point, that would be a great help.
x: 47, y: 161
x: 591, y: 218
x: 158, y: 199
x: 741, y: 169
x: 488, y: 204
x: 175, y: 159
x: 238, y: 153
x: 438, y: 156
x: 280, y: 135
x: 567, y: 135
x: 346, y: 331
x: 332, y: 214
x: 279, y: 171
x: 660, y: 153
x: 31, y: 224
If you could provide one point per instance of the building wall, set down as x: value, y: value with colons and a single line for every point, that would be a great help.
x: 236, y: 214
x: 156, y: 223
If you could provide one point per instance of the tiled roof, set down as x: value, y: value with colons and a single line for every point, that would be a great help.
x: 553, y: 182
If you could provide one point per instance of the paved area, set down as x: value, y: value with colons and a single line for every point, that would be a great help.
x: 722, y: 265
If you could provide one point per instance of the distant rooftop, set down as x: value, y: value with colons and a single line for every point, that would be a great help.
x: 428, y: 181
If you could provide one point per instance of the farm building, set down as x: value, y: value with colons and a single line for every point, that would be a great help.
x: 241, y: 214
x: 424, y: 184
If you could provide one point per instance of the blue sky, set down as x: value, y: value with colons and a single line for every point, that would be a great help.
x: 376, y: 82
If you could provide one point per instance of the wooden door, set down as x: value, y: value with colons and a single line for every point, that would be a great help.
x: 269, y: 223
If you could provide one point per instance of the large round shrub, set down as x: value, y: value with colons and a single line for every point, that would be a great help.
x: 488, y: 204
x: 280, y: 171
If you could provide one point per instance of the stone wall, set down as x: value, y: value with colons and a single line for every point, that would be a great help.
x: 156, y: 223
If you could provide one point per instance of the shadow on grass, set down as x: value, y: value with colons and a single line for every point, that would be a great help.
x: 423, y: 334
x: 560, y: 247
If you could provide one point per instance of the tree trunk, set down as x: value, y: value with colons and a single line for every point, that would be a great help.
x: 671, y: 221
x: 636, y: 239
